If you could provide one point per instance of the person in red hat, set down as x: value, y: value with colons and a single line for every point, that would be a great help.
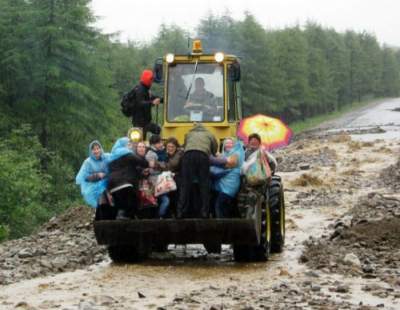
x: 138, y: 103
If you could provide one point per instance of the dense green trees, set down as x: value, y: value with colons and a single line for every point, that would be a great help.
x: 298, y: 72
x: 53, y: 77
x: 61, y: 81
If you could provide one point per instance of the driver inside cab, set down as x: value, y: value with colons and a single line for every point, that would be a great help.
x: 201, y: 100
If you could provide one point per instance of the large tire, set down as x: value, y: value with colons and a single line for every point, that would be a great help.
x: 242, y: 253
x: 127, y: 254
x: 260, y: 252
x: 277, y: 207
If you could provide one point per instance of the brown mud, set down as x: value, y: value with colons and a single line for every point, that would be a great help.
x: 341, y: 252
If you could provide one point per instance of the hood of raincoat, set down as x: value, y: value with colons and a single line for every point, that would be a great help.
x: 237, y: 149
x: 230, y: 183
x: 120, y: 149
x: 147, y: 78
x: 90, y: 150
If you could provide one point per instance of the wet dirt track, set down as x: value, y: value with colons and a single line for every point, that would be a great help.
x: 325, y: 175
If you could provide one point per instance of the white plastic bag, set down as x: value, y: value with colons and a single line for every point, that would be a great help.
x: 250, y: 161
x: 165, y: 183
x: 257, y: 169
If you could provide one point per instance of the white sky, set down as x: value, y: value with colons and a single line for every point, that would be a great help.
x: 139, y: 20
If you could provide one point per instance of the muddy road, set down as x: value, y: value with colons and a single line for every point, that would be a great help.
x: 342, y: 244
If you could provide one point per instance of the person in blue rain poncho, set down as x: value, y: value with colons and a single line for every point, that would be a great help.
x: 92, y: 176
x: 227, y: 181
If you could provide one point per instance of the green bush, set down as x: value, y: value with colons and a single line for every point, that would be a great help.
x: 23, y: 184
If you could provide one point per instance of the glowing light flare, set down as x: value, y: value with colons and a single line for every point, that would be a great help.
x: 135, y: 134
x: 170, y: 58
x: 219, y: 57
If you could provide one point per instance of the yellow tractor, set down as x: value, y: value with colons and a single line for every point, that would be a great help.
x: 202, y: 88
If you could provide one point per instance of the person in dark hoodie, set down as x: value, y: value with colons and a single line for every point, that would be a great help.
x: 199, y: 145
x: 157, y: 150
x: 125, y: 170
x: 143, y: 101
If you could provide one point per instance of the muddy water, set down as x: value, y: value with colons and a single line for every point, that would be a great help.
x: 167, y: 279
x: 384, y: 116
x: 164, y: 277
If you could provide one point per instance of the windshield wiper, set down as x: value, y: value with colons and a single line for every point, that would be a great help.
x: 191, y: 83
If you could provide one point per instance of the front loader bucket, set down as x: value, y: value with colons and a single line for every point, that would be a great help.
x: 167, y: 231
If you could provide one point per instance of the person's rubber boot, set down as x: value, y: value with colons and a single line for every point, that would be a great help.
x: 121, y: 215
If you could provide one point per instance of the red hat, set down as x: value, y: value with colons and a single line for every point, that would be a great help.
x: 147, y: 78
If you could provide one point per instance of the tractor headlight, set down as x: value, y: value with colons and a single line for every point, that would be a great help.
x: 219, y: 57
x: 170, y: 58
x: 135, y: 134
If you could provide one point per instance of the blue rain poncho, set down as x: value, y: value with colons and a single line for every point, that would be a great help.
x: 229, y: 184
x: 91, y: 191
x: 119, y: 149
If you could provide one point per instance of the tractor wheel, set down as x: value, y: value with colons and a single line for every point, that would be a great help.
x: 242, y: 253
x: 126, y: 254
x: 277, y: 207
x: 260, y: 252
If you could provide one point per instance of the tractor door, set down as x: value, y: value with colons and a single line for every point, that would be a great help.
x: 234, y: 96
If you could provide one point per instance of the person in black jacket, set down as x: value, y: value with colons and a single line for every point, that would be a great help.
x: 144, y: 100
x: 125, y: 170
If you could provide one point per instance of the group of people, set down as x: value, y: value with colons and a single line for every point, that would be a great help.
x: 121, y: 184
x: 207, y: 181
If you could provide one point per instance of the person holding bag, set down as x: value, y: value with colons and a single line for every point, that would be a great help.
x: 172, y: 164
x: 254, y: 145
x: 257, y: 170
x: 226, y: 184
x: 146, y: 188
x: 155, y: 155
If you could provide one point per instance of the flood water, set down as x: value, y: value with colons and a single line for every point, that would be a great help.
x: 381, y: 121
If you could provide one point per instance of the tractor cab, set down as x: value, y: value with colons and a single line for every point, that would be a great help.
x: 202, y: 88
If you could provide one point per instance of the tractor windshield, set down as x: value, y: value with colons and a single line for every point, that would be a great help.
x: 195, y: 94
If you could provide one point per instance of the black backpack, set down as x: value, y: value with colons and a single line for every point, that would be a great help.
x: 128, y: 102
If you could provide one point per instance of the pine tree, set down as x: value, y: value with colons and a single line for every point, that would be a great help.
x: 72, y: 82
x: 15, y: 44
x: 390, y: 83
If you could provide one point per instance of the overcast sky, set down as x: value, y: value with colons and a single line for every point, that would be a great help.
x: 140, y: 20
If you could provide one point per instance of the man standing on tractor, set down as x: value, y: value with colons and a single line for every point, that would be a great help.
x: 138, y: 102
x: 195, y: 173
